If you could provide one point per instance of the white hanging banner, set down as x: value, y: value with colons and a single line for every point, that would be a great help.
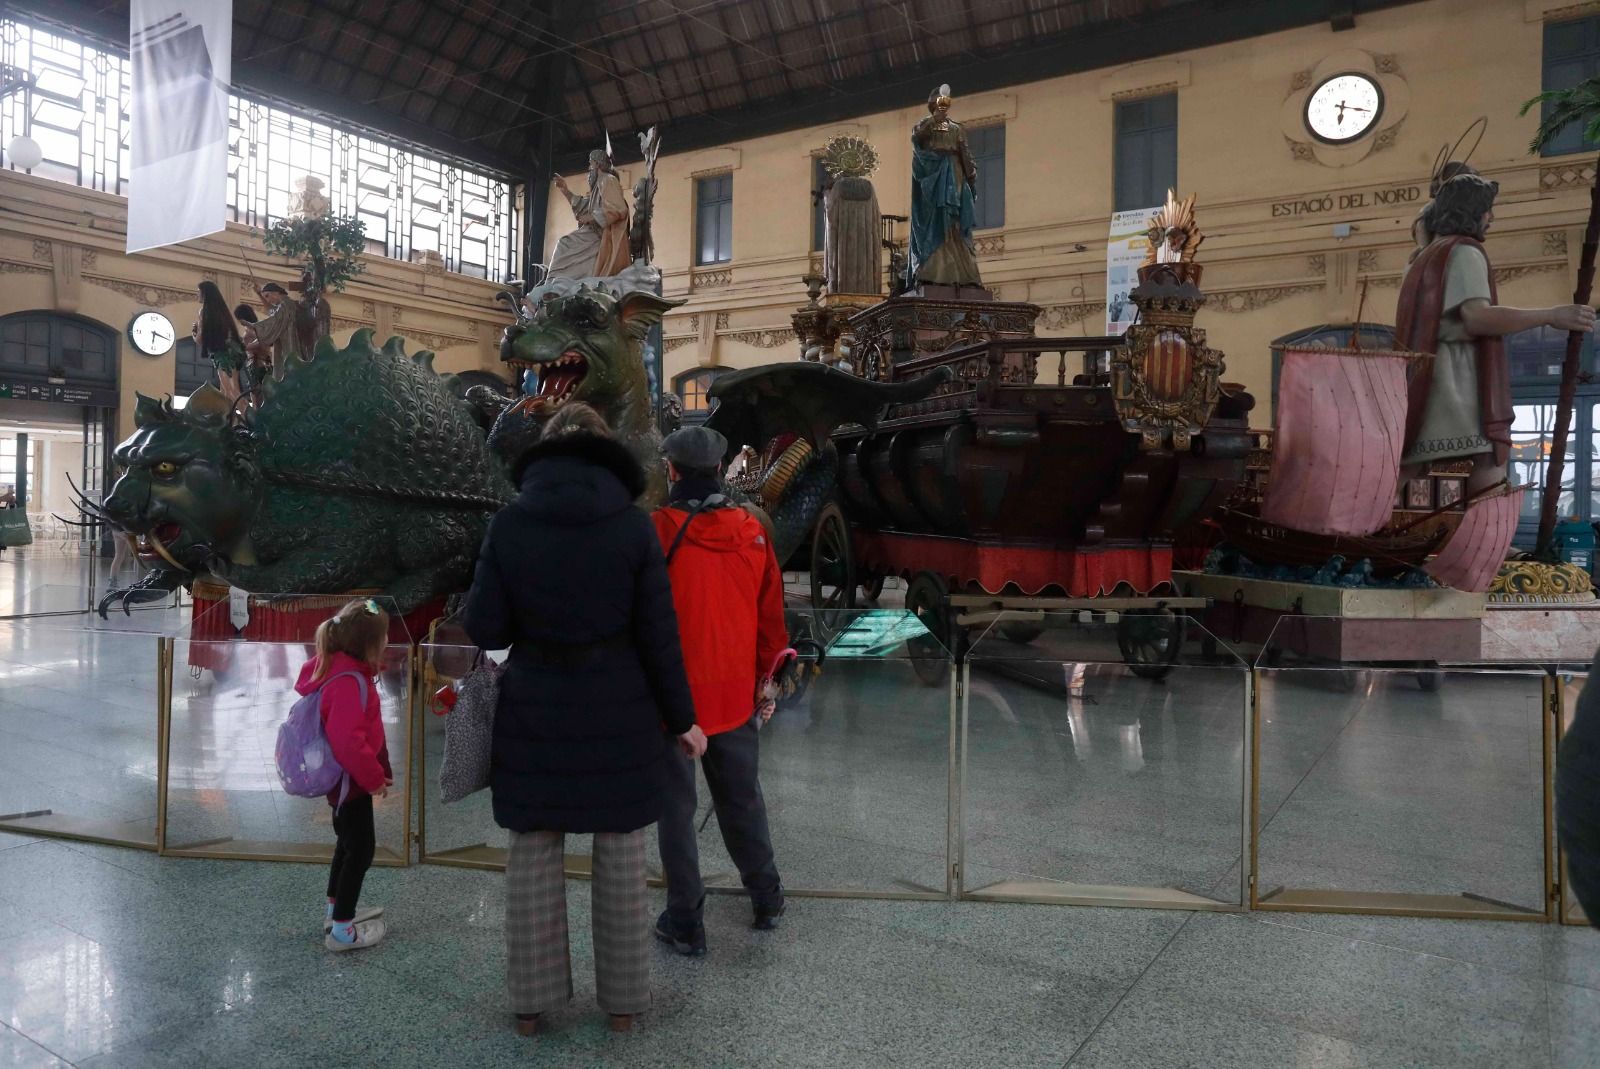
x: 182, y: 53
x: 1125, y: 253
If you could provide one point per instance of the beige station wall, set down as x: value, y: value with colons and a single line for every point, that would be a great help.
x: 1273, y: 264
x: 61, y: 250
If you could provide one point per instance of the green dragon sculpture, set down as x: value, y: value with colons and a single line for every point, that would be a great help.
x: 362, y: 469
x: 583, y: 341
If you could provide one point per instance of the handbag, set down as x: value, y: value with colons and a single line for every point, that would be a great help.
x: 469, y: 732
x: 14, y: 529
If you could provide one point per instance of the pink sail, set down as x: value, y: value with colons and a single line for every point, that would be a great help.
x: 1339, y: 428
x: 1477, y: 548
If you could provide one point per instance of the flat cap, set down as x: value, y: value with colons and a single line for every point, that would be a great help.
x: 700, y: 448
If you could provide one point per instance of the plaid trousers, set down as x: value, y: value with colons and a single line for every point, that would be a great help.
x: 538, y: 962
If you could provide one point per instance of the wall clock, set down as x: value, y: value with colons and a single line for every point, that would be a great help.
x: 152, y: 333
x: 1344, y: 107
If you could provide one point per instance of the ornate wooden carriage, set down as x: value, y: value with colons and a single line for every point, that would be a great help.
x: 1054, y: 468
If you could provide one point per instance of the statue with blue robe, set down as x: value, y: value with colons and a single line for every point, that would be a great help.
x: 944, y: 186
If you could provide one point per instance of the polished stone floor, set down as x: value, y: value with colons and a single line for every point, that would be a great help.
x: 111, y: 958
x: 1075, y: 771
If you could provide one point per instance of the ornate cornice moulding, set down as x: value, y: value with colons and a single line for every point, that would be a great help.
x: 1248, y: 300
x: 766, y: 338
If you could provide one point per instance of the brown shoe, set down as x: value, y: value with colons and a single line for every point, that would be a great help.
x: 527, y: 1024
x: 622, y: 1022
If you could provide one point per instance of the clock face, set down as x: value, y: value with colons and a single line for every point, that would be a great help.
x: 152, y: 333
x: 1343, y: 108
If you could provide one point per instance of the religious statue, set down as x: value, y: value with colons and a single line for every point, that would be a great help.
x: 851, y: 220
x: 1460, y: 401
x: 309, y: 202
x: 944, y: 185
x: 599, y: 247
x: 1175, y: 234
x: 641, y: 243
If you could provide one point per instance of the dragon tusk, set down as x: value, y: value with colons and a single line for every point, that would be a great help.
x: 155, y: 544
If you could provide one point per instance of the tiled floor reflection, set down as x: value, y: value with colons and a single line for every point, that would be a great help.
x: 119, y: 960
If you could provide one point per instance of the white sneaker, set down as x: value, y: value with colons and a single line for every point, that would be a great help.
x: 368, y: 934
x: 363, y: 913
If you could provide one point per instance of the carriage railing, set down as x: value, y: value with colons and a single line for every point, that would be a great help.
x: 987, y: 366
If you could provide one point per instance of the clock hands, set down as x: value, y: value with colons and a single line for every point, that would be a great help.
x: 1343, y: 107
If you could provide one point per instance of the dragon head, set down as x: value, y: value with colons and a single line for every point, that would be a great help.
x: 188, y: 488
x: 585, y: 344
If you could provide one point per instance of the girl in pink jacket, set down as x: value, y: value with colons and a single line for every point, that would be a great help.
x: 350, y: 649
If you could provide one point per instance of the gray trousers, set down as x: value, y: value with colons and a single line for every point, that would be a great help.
x: 538, y: 964
x: 730, y: 765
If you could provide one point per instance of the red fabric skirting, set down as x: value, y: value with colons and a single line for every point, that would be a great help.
x: 290, y: 621
x: 1079, y: 572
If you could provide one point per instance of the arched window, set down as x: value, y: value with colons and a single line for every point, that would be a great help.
x: 49, y: 345
x: 694, y: 390
x: 1330, y: 336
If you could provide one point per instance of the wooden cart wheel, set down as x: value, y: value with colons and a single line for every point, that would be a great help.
x: 1150, y: 641
x: 871, y: 588
x: 928, y: 599
x: 833, y: 578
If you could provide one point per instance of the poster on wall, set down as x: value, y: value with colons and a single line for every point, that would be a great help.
x: 182, y: 53
x: 1125, y: 252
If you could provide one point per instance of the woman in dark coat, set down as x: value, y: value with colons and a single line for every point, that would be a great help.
x: 1578, y: 797
x: 572, y: 579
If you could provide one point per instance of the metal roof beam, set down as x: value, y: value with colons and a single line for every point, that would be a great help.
x: 1088, y: 48
x: 248, y: 79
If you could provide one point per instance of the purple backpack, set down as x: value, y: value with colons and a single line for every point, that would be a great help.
x: 306, y: 765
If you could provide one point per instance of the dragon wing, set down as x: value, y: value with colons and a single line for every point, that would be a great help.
x: 760, y: 403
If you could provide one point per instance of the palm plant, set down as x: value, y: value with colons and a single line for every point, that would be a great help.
x: 1580, y: 104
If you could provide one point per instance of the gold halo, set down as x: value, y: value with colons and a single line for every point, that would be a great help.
x: 847, y: 156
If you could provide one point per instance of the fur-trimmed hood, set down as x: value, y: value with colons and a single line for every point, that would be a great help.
x: 579, y: 478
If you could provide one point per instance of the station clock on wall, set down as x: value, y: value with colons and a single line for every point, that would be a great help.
x: 1345, y: 108
x: 152, y: 334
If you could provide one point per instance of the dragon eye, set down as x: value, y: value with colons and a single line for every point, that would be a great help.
x: 166, y: 469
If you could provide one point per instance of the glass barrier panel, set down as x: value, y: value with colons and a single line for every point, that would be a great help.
x: 1398, y: 788
x: 854, y: 767
x: 1572, y: 682
x: 80, y: 714
x: 74, y: 607
x: 224, y: 798
x: 1104, y: 761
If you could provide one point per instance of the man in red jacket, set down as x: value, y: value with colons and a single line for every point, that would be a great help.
x: 728, y: 592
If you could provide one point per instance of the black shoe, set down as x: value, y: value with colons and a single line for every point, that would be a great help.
x: 768, y: 912
x: 687, y: 939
